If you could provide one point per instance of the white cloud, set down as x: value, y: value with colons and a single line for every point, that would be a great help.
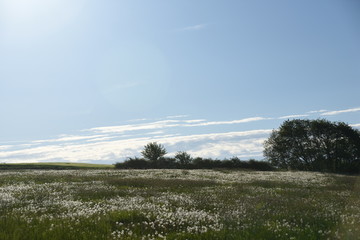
x: 215, y: 136
x: 115, y: 150
x: 115, y: 143
x: 294, y: 116
x: 169, y: 124
x: 194, y: 121
x: 340, y: 111
x: 100, y: 139
x: 4, y: 147
x: 317, y: 111
x: 357, y: 125
x: 245, y: 120
x: 155, y: 133
x: 243, y: 148
x: 134, y: 127
x: 68, y: 138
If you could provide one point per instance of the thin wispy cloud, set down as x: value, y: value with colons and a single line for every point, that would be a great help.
x: 193, y: 27
x: 322, y: 113
x: 101, y: 139
x: 215, y: 136
x: 68, y: 139
x: 294, y: 116
x: 170, y: 124
x: 340, y: 111
x: 155, y: 133
x: 135, y: 127
x: 317, y: 111
x: 245, y: 120
x: 195, y: 120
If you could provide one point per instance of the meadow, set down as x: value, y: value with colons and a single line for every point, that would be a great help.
x: 177, y: 204
x: 53, y: 166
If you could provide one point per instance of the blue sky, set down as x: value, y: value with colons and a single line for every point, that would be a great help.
x: 94, y: 81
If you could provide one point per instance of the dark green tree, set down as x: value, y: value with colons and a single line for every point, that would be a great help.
x: 153, y: 152
x: 184, y: 159
x: 314, y: 145
x: 133, y: 163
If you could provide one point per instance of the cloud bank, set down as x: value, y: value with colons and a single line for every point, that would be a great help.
x: 199, y: 137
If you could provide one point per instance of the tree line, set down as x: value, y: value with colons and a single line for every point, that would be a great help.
x: 153, y: 157
x: 307, y: 145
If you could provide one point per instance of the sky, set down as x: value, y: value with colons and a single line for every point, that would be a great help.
x: 94, y: 81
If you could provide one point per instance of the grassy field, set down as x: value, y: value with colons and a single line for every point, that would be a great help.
x: 177, y: 204
x: 53, y: 165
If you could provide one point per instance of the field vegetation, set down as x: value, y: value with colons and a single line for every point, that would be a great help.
x: 178, y: 204
x: 54, y: 165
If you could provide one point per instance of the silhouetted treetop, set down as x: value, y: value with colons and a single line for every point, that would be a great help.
x: 153, y: 152
x: 315, y: 145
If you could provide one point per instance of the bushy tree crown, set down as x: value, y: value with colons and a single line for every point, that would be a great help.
x: 315, y: 145
x: 153, y: 152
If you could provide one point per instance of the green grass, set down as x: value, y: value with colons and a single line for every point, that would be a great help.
x: 192, y: 204
x: 54, y: 165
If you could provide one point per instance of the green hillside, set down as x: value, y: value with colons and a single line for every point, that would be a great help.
x: 54, y: 165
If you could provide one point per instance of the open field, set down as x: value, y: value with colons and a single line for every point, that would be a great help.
x: 177, y: 204
x: 53, y: 165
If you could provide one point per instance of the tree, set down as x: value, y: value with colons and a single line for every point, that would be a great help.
x: 166, y: 162
x: 314, y: 145
x: 184, y: 159
x: 153, y: 152
x: 133, y: 163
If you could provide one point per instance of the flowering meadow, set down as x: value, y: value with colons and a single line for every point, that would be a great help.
x: 178, y: 204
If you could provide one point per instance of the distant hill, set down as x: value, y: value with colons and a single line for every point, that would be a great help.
x: 53, y: 166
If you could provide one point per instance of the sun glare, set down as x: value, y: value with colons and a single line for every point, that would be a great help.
x: 31, y: 17
x: 28, y: 10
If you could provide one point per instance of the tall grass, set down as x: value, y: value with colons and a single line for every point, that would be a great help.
x: 178, y: 204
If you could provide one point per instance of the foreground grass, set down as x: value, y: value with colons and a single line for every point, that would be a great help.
x: 177, y: 204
